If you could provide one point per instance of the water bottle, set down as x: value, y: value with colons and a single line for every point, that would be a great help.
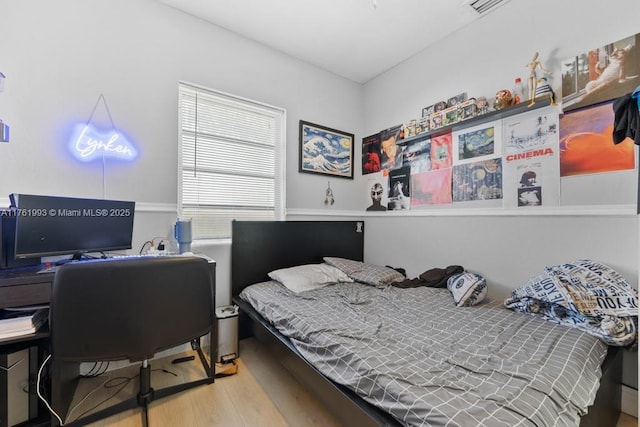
x: 518, y: 92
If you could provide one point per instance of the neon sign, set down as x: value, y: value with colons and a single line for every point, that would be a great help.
x: 88, y: 143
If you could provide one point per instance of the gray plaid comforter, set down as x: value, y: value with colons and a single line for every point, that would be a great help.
x: 416, y: 355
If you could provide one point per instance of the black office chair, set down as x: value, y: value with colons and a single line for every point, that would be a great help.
x: 128, y: 308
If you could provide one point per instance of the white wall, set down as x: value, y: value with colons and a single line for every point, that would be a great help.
x: 59, y: 57
x: 481, y: 59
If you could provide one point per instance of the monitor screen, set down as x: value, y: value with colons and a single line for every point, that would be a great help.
x: 48, y: 225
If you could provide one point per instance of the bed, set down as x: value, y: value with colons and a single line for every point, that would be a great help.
x: 261, y: 247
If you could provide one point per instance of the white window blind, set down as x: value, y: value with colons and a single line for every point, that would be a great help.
x: 231, y: 161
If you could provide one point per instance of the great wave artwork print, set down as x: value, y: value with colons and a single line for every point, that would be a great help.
x: 325, y: 151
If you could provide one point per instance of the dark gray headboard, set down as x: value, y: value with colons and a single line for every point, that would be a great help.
x: 259, y: 247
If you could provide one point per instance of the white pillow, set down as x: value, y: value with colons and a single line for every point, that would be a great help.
x: 310, y: 276
x: 467, y: 289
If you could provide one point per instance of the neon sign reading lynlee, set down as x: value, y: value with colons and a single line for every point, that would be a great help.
x: 88, y: 143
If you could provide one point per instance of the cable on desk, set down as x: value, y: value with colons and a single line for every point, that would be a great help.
x: 148, y: 242
x: 152, y: 243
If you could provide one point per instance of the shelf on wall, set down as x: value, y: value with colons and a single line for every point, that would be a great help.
x: 628, y: 210
x: 483, y: 118
x: 465, y: 209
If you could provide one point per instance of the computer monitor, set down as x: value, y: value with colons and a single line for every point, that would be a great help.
x: 50, y: 225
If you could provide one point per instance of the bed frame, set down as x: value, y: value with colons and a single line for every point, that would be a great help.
x: 259, y: 247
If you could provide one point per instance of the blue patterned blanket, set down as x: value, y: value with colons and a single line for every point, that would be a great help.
x: 584, y: 294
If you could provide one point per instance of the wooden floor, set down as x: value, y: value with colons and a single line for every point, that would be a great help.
x: 260, y: 394
x: 627, y: 421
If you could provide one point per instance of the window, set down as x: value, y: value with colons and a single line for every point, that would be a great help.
x: 231, y: 160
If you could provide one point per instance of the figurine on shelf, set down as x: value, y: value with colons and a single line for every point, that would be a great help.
x: 544, y: 90
x: 503, y: 99
x: 482, y: 106
x: 533, y: 78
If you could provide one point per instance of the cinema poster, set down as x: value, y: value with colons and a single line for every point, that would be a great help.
x: 532, y: 178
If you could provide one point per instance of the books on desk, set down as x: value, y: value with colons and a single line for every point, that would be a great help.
x: 18, y: 322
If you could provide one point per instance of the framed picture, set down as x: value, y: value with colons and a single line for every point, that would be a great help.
x: 325, y: 151
x: 601, y: 74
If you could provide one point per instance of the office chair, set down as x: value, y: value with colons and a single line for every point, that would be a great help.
x: 128, y: 308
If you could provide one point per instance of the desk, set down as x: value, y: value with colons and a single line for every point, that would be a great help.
x: 25, y: 286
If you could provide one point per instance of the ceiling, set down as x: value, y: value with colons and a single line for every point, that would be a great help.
x: 355, y: 39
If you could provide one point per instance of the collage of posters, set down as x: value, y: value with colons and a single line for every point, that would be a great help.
x: 519, y: 159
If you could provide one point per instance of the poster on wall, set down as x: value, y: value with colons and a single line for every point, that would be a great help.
x: 532, y: 178
x: 325, y: 151
x: 417, y: 155
x: 399, y: 189
x: 530, y: 130
x: 480, y: 180
x: 476, y: 143
x: 431, y: 188
x: 441, y: 151
x: 376, y: 192
x: 371, y: 154
x: 392, y: 155
x: 586, y: 142
x: 601, y: 74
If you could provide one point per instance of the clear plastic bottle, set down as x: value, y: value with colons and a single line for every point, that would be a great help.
x: 518, y: 92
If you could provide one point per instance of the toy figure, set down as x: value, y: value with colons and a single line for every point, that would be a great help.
x: 533, y: 79
x: 482, y: 105
x: 543, y: 89
x: 503, y: 99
